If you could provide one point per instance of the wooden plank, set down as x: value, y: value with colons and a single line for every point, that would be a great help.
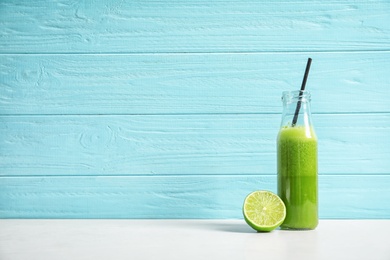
x: 196, y: 26
x: 190, y: 83
x: 178, y: 196
x: 182, y: 144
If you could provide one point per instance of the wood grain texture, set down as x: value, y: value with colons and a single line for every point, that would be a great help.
x: 178, y: 196
x: 187, y: 145
x: 170, y: 109
x: 190, y: 83
x: 199, y: 26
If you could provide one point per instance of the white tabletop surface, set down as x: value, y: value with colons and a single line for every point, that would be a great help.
x: 190, y: 239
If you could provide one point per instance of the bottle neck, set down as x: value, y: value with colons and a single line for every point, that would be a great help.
x: 296, y: 109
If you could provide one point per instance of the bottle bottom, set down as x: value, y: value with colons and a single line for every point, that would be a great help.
x: 303, y: 228
x: 297, y: 229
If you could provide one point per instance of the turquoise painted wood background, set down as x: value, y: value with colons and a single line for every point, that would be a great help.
x: 170, y: 109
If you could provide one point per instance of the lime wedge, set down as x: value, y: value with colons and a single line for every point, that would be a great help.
x: 263, y: 210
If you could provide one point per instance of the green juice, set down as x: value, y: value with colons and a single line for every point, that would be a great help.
x: 297, y: 176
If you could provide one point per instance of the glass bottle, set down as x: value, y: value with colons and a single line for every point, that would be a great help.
x: 297, y: 166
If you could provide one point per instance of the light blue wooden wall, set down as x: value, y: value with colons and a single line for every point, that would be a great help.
x: 170, y: 109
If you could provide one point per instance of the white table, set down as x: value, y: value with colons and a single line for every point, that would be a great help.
x: 190, y: 239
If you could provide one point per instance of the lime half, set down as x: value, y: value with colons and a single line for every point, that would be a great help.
x: 264, y: 210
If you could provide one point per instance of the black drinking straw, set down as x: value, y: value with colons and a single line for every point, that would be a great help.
x: 301, y: 92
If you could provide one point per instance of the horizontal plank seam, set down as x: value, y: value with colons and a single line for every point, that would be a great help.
x: 182, y: 175
x: 198, y: 53
x: 190, y: 114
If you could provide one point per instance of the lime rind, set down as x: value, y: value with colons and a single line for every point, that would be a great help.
x: 264, y: 211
